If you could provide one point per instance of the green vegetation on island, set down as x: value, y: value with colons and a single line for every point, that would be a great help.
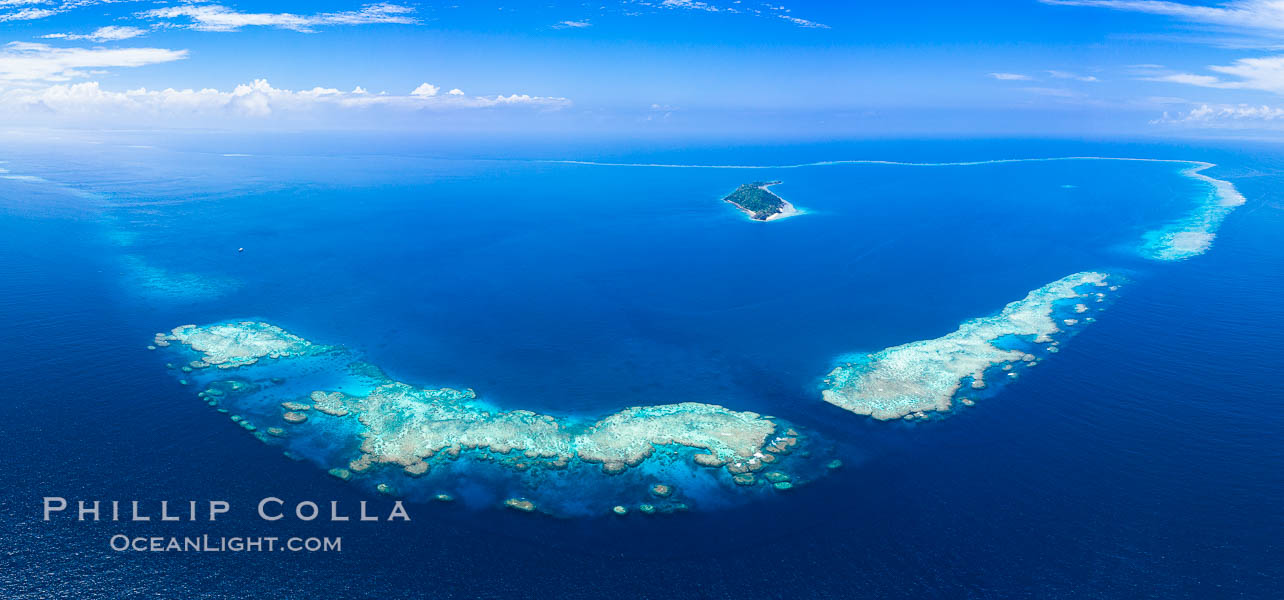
x: 760, y: 203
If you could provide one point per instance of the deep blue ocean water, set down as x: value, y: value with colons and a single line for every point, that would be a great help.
x: 1143, y: 460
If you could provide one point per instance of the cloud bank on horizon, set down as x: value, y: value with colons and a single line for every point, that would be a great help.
x: 250, y: 104
x: 839, y: 69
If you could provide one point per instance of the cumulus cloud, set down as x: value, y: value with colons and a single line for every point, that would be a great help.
x: 111, y: 33
x: 25, y: 61
x: 1224, y: 115
x: 257, y: 100
x: 216, y: 17
x: 425, y: 89
x: 1010, y: 76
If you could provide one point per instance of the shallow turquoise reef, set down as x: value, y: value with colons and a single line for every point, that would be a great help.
x: 362, y: 425
x: 912, y: 379
x: 1193, y: 234
x: 230, y: 345
x: 411, y: 427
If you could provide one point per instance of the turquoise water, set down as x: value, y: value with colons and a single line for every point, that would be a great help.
x: 581, y: 289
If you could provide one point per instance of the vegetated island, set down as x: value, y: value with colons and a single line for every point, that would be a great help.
x: 755, y: 200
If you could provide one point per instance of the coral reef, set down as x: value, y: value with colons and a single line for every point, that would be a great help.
x: 407, y: 426
x: 1193, y: 234
x: 520, y: 504
x: 332, y: 404
x: 377, y: 427
x: 229, y: 345
x: 924, y: 376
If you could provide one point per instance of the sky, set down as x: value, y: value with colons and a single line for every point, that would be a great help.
x: 664, y: 67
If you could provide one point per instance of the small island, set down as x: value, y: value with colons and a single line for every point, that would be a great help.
x: 755, y: 200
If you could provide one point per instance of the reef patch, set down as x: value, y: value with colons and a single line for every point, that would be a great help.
x: 361, y: 425
x: 909, y: 380
x: 1193, y: 234
x: 231, y: 345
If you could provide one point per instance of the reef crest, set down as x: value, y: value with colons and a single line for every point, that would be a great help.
x: 408, y: 426
x: 230, y: 345
x: 926, y: 375
x: 364, y: 426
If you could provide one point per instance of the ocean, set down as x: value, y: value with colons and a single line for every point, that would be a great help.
x: 1141, y: 459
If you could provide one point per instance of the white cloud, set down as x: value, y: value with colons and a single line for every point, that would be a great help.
x: 215, y: 17
x: 1247, y: 14
x: 1224, y: 114
x: 28, y: 14
x: 110, y: 33
x: 572, y: 24
x: 425, y: 89
x: 1265, y: 74
x: 456, y: 92
x: 24, y: 61
x: 1166, y: 100
x: 48, y: 8
x: 690, y: 5
x: 804, y: 22
x: 1190, y: 79
x: 257, y: 100
x: 734, y: 7
x: 1053, y: 92
x: 1010, y: 76
x: 1068, y: 75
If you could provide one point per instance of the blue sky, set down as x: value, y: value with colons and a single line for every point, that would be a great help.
x: 797, y: 68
